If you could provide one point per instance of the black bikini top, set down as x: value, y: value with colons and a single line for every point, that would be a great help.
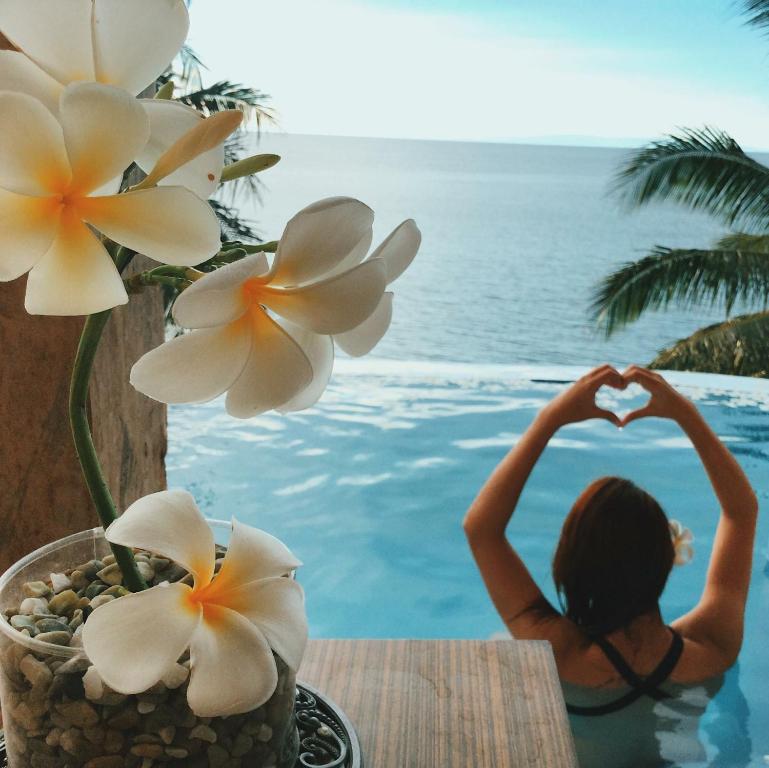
x: 646, y: 686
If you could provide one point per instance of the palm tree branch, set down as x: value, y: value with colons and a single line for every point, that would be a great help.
x: 704, y: 169
x: 739, y: 347
x: 685, y: 276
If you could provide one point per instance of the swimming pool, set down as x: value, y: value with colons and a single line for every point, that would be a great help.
x: 369, y: 489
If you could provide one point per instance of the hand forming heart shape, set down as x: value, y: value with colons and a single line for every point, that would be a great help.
x: 623, y: 402
x: 582, y: 400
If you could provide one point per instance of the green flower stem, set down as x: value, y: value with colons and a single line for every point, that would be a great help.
x: 81, y: 432
x: 269, y: 247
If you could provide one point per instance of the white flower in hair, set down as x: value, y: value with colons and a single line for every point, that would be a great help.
x: 682, y: 543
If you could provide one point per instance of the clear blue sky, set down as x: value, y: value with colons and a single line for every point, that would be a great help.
x: 604, y: 71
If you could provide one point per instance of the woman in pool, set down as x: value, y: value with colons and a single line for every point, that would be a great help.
x: 621, y: 667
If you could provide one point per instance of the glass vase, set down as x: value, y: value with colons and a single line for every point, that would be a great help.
x: 58, y: 714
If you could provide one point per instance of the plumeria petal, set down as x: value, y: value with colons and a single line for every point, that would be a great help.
x: 218, y: 298
x: 276, y: 370
x: 355, y: 256
x: 169, y: 224
x: 276, y: 607
x: 319, y: 237
x: 201, y: 138
x: 232, y: 667
x: 104, y: 128
x: 320, y: 352
x: 364, y: 337
x: 135, y: 41
x: 33, y: 158
x: 170, y: 524
x: 56, y: 35
x: 75, y: 277
x: 333, y: 305
x: 195, y: 367
x: 28, y: 226
x: 252, y: 555
x: 115, y: 636
x: 20, y: 74
x: 399, y: 249
x: 169, y: 121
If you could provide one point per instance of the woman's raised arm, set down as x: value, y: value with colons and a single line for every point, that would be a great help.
x: 717, y: 620
x: 509, y: 583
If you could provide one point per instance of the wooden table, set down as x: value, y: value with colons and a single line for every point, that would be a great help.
x: 447, y: 703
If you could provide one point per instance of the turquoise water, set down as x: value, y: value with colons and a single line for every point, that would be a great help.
x: 369, y: 489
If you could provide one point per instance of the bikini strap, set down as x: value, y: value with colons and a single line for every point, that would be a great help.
x: 648, y: 686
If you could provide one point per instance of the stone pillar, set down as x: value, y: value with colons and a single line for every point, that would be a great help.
x: 42, y: 494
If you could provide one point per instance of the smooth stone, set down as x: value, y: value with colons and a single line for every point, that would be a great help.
x: 145, y: 707
x: 204, y: 733
x: 111, y: 575
x: 56, y: 638
x: 36, y: 589
x: 79, y: 713
x: 23, y: 622
x: 101, y: 600
x: 63, y: 603
x: 217, y: 756
x: 108, y: 559
x: 93, y: 685
x: 117, y: 591
x: 264, y: 733
x: 60, y: 582
x: 51, y: 625
x: 178, y: 753
x: 147, y: 750
x: 146, y: 571
x: 91, y: 568
x: 125, y: 719
x: 105, y: 761
x: 94, y: 590
x: 242, y: 745
x: 36, y: 672
x: 79, y: 579
x: 33, y: 605
x: 74, y: 666
x: 159, y: 563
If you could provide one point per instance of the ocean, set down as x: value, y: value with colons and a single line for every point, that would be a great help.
x: 515, y: 237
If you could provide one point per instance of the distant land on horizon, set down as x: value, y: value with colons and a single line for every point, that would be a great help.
x: 565, y: 140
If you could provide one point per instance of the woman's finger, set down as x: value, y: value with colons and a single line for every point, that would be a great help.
x: 607, y: 375
x: 602, y: 413
x: 640, y: 413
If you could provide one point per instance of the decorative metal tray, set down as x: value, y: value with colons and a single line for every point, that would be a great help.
x: 326, y: 735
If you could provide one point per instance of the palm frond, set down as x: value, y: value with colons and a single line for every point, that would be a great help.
x: 704, y: 169
x: 740, y: 241
x: 686, y: 277
x: 757, y: 12
x: 234, y: 227
x: 738, y: 347
x: 228, y: 95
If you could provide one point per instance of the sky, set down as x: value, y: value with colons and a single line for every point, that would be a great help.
x: 606, y: 72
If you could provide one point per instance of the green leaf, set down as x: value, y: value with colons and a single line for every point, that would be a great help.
x: 703, y: 169
x: 739, y: 347
x: 739, y: 241
x: 757, y: 12
x: 686, y: 277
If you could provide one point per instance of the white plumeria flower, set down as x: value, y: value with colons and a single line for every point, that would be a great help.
x: 683, y: 540
x: 52, y: 176
x: 238, y: 348
x: 124, y: 43
x: 230, y: 622
x: 397, y: 251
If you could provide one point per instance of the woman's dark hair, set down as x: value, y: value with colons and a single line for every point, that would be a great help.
x: 614, y: 556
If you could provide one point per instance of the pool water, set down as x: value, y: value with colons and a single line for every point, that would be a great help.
x: 369, y: 489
